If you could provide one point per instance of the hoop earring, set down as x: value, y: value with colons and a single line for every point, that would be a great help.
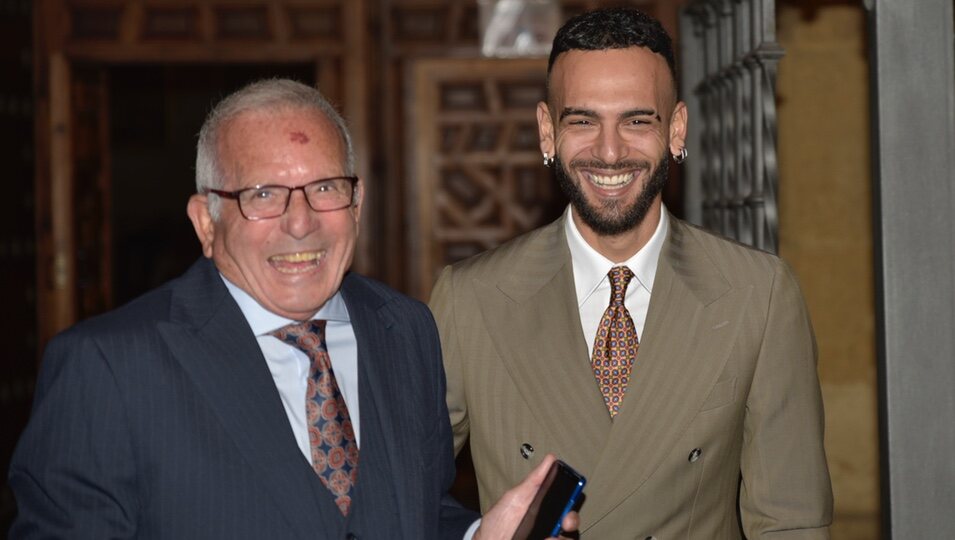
x: 681, y: 157
x: 548, y: 161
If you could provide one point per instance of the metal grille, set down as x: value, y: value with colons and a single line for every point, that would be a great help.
x: 729, y: 59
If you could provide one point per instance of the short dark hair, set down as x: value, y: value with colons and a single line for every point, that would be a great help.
x: 612, y: 28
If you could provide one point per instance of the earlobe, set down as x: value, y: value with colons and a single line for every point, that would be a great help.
x: 198, y: 211
x: 678, y: 123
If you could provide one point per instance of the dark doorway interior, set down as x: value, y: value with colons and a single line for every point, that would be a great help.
x: 155, y: 112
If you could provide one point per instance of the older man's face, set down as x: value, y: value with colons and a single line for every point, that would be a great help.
x: 294, y: 263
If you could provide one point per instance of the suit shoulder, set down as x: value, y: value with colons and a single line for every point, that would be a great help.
x: 737, y: 262
x: 110, y: 336
x: 713, y: 242
x: 376, y: 293
x: 133, y: 317
x: 515, y: 253
x: 371, y: 302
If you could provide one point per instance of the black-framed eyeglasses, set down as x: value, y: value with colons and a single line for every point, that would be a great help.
x: 271, y: 201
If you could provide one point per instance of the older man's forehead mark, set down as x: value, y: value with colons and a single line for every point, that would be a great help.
x: 299, y: 137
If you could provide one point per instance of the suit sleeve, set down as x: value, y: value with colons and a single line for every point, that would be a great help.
x: 72, y: 473
x: 785, y: 490
x: 454, y: 518
x: 442, y: 305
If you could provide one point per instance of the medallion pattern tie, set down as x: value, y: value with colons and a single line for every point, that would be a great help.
x: 330, y: 432
x: 615, y: 345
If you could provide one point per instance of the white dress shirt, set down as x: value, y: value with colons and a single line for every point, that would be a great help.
x: 289, y: 365
x: 593, y: 284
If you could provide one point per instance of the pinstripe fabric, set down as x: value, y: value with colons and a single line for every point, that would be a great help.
x: 161, y: 420
x: 726, y: 366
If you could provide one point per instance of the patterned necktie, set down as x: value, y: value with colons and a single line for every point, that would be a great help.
x: 615, y: 346
x: 330, y: 432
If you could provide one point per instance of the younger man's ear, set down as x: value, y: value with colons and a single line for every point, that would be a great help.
x: 545, y: 129
x: 678, y: 121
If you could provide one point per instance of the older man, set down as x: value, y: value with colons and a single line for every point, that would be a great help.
x: 266, y: 393
x: 675, y: 369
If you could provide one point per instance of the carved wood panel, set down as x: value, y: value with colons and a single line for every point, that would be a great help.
x: 450, y: 27
x: 477, y: 177
x: 139, y: 28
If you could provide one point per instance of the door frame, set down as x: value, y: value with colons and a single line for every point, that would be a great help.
x: 913, y: 98
x: 114, y: 32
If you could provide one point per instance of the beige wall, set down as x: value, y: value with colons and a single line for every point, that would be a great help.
x: 826, y: 234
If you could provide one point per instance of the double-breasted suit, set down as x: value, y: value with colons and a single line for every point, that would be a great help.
x: 161, y: 420
x: 723, y: 410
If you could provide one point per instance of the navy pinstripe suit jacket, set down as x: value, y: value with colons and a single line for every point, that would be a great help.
x: 161, y: 420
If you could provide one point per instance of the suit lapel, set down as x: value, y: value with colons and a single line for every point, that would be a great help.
x: 379, y: 391
x: 541, y: 343
x: 212, y: 341
x: 691, y: 326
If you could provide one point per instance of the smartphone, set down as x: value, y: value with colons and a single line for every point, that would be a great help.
x: 556, y: 497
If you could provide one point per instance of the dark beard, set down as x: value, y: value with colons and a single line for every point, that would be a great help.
x: 612, y: 218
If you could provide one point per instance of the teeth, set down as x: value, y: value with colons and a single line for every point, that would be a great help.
x: 297, y: 257
x: 612, y: 180
x: 291, y: 263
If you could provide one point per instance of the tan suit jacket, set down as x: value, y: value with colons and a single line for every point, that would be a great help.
x: 724, y: 403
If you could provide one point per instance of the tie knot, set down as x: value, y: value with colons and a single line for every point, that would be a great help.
x: 307, y: 336
x: 620, y: 277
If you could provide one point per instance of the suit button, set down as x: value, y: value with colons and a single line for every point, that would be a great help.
x: 351, y: 536
x: 694, y: 455
x: 527, y: 450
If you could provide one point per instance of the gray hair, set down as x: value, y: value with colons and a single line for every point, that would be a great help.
x: 264, y: 95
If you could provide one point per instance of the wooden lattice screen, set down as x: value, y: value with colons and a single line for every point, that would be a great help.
x: 477, y: 171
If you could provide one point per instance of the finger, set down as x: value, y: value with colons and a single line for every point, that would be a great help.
x: 502, y: 519
x: 571, y: 522
x: 540, y: 472
x: 526, y: 490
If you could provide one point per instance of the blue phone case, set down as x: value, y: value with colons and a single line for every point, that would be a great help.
x: 556, y: 497
x: 572, y: 499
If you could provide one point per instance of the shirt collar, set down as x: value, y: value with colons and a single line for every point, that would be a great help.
x: 264, y: 321
x: 590, y: 267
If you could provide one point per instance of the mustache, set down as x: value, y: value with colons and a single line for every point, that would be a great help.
x: 617, y: 166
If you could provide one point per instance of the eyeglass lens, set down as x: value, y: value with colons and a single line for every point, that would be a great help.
x: 271, y: 201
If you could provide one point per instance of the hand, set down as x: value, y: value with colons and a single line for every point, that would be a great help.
x: 502, y: 519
